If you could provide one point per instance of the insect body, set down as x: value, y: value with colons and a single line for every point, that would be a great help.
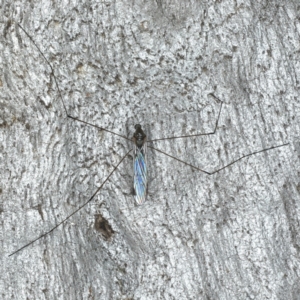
x: 139, y: 165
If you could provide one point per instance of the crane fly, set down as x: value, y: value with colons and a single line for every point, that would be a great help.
x: 139, y: 165
x: 140, y: 145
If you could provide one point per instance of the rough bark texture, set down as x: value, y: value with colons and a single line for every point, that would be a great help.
x: 232, y: 235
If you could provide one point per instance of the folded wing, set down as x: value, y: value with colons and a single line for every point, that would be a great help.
x: 140, y: 174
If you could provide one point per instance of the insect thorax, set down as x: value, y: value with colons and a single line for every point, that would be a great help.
x: 139, y: 136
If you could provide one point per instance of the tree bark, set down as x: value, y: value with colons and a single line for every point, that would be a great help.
x: 230, y: 235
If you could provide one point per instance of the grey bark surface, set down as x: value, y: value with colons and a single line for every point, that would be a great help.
x: 232, y: 235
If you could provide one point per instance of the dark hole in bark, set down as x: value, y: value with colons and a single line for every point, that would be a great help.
x: 102, y: 226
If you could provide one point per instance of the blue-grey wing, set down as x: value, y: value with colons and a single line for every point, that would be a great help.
x: 140, y: 174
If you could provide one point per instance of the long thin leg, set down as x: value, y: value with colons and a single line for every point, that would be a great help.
x: 87, y: 123
x: 193, y: 135
x: 59, y: 92
x: 218, y: 170
x: 75, y: 211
